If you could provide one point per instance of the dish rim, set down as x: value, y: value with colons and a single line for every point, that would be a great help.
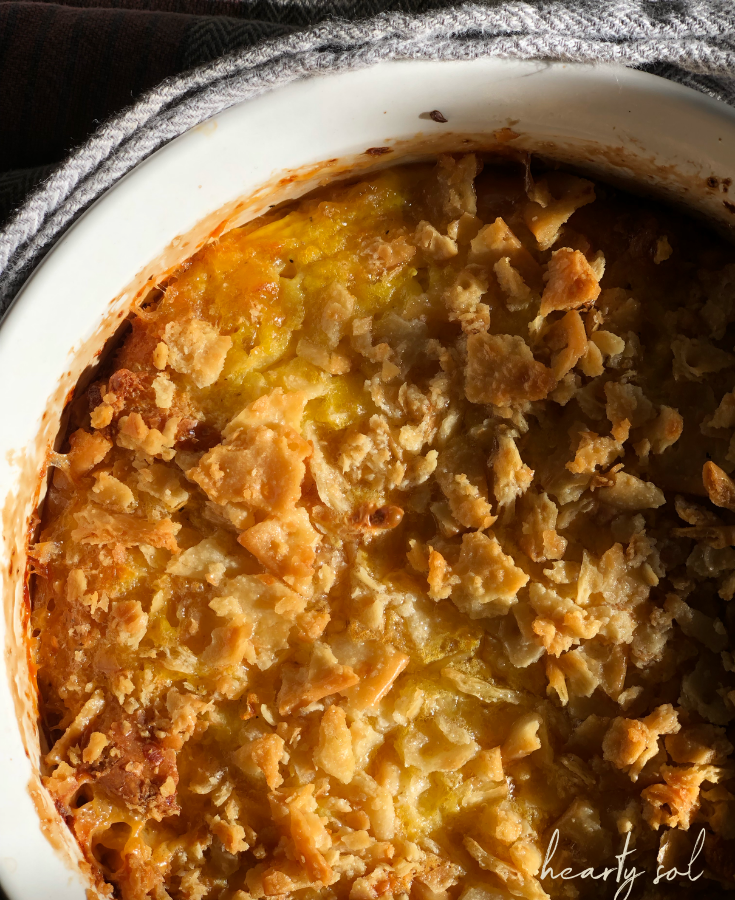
x: 73, y: 335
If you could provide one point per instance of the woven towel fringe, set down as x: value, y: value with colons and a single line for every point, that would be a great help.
x: 690, y: 41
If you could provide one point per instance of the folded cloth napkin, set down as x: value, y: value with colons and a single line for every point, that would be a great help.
x: 690, y: 41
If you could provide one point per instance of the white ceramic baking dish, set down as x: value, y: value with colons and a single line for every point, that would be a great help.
x: 618, y: 123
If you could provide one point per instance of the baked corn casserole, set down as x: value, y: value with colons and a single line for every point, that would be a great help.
x: 397, y: 537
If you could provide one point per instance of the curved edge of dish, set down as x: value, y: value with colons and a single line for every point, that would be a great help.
x: 691, y: 182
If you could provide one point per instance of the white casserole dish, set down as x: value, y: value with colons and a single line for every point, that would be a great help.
x: 618, y: 123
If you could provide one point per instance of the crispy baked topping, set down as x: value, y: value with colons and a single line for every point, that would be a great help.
x: 554, y: 200
x: 196, y: 349
x: 571, y: 282
x: 501, y: 371
x: 399, y: 534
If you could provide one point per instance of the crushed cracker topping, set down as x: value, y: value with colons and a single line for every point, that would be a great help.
x: 398, y: 533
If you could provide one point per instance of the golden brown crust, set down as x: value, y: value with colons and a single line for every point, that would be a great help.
x: 501, y: 370
x: 572, y: 282
x: 719, y: 486
x: 398, y: 534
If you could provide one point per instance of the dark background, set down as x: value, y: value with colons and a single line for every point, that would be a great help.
x: 67, y: 66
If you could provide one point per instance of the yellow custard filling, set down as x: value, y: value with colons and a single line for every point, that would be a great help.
x: 397, y: 536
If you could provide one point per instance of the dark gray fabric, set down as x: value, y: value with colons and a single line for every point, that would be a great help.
x: 691, y: 41
x: 211, y: 38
